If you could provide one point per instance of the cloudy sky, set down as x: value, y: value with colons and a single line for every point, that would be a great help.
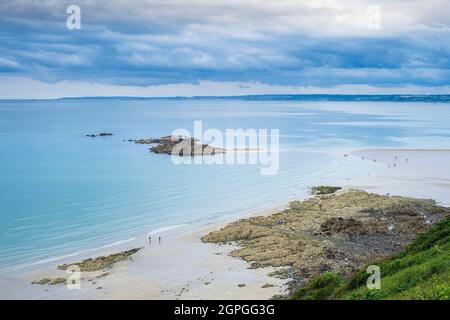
x: 223, y: 47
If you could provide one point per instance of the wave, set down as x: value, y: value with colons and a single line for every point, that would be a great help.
x: 167, y: 228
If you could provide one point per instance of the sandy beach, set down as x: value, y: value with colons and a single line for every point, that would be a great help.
x: 183, y: 267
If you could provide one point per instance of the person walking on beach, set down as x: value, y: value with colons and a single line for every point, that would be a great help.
x: 159, y: 239
x: 149, y: 240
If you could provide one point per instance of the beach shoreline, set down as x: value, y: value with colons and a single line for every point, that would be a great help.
x: 183, y: 267
x: 158, y: 283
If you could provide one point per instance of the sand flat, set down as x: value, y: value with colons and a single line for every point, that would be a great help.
x: 420, y: 173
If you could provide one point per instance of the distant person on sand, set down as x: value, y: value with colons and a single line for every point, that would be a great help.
x: 159, y: 239
x: 149, y: 240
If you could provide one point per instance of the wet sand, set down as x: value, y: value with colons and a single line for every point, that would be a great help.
x: 420, y: 173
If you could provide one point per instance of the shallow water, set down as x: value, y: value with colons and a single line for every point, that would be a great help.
x: 63, y: 193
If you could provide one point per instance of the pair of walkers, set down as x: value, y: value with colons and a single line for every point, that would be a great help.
x: 150, y: 240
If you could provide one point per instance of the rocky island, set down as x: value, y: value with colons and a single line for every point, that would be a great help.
x: 336, y: 233
x: 179, y: 145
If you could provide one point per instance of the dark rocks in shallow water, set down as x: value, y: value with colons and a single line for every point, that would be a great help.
x: 59, y: 280
x: 49, y: 281
x: 42, y: 281
x: 101, y: 134
x: 145, y: 141
x: 102, y: 262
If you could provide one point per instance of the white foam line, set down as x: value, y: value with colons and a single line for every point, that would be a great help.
x: 162, y: 229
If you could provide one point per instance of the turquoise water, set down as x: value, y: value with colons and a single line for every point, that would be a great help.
x: 62, y: 193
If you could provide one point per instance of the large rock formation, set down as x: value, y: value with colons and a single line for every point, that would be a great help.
x: 179, y: 145
x: 338, y: 232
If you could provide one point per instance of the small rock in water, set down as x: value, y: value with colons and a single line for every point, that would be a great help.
x: 101, y: 134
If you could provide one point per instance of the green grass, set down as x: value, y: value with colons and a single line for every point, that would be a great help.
x: 324, y: 190
x: 421, y: 271
x: 319, y: 288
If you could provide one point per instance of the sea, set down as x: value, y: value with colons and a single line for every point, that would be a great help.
x: 63, y: 194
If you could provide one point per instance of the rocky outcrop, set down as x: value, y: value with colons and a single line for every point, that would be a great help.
x: 145, y: 141
x: 338, y: 232
x: 90, y: 265
x: 49, y: 281
x: 100, y: 263
x: 179, y: 145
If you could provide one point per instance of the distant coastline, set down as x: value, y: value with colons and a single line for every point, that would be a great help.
x: 432, y: 98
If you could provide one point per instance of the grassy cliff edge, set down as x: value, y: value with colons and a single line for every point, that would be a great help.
x: 421, y: 271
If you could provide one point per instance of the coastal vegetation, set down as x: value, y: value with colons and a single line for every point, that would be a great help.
x: 420, y: 271
x: 320, y: 190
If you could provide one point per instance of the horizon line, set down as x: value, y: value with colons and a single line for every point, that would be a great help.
x: 280, y: 96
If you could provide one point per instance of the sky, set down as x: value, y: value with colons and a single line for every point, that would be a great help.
x: 223, y: 47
